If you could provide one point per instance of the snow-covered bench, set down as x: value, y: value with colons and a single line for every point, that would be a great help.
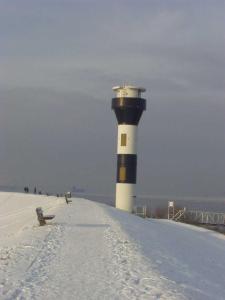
x: 41, y: 218
x: 67, y: 198
x: 68, y: 194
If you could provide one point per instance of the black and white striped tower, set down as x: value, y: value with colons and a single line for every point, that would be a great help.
x: 128, y: 107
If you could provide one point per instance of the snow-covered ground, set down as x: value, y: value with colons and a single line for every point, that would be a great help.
x: 17, y: 211
x: 93, y: 251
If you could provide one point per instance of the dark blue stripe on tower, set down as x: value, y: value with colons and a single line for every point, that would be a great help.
x: 128, y: 110
x: 126, y: 168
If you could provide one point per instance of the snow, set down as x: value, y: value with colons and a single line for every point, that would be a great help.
x: 18, y: 210
x: 93, y: 251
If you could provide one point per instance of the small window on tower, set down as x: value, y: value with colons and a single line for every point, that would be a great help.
x: 122, y: 174
x: 123, y: 139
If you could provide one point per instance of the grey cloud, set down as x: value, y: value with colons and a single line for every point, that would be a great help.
x: 58, y: 62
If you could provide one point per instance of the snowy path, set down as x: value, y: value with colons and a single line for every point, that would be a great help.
x: 92, y: 251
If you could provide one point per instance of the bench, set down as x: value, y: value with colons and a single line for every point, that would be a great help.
x: 67, y: 196
x: 41, y: 218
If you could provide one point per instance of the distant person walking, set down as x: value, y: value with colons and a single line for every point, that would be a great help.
x: 26, y: 189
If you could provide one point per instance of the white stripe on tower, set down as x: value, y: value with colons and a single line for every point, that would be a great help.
x: 128, y: 107
x: 128, y: 132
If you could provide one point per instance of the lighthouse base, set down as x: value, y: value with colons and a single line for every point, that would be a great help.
x: 125, y: 196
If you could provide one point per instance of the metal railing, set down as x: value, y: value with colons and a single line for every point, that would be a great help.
x: 205, y: 217
x: 179, y: 215
x: 140, y: 211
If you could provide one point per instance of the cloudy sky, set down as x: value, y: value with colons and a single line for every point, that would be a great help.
x: 58, y: 62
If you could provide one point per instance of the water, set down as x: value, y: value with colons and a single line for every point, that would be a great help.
x: 156, y: 205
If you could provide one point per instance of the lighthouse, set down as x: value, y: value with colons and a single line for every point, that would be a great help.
x: 128, y: 107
